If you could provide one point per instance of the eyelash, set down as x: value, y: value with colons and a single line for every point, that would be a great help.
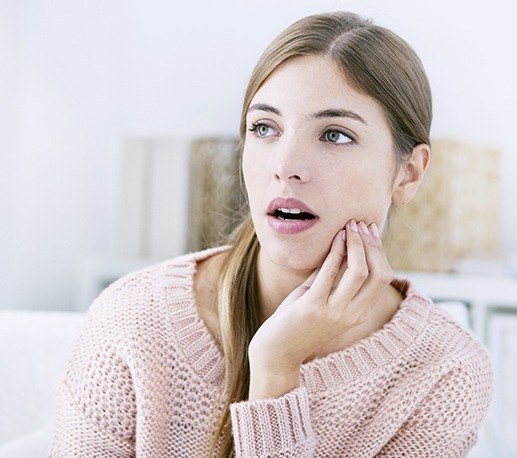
x: 254, y: 127
x: 352, y: 139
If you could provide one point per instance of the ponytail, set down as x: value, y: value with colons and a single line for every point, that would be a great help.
x: 239, y: 306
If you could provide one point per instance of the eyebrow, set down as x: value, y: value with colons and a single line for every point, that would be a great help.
x: 329, y: 113
x: 338, y: 113
x: 264, y: 107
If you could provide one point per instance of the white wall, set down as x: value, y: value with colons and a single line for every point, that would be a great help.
x: 80, y: 76
x: 8, y: 148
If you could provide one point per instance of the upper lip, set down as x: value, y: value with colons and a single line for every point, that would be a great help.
x: 288, y: 202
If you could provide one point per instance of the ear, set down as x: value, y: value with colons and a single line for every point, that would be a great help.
x: 410, y: 175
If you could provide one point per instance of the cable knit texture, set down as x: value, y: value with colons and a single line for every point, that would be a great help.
x: 145, y: 374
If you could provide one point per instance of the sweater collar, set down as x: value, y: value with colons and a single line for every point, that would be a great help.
x: 364, y: 356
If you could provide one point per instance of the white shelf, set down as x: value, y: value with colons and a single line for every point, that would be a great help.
x: 483, y: 294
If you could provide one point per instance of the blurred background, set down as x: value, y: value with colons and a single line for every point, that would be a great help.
x: 112, y: 113
x: 79, y: 78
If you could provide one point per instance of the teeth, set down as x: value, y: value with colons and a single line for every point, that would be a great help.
x: 290, y: 210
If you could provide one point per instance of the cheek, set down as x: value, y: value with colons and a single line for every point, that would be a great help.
x: 361, y: 196
x: 247, y: 166
x: 252, y: 171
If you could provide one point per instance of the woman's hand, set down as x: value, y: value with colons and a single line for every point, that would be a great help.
x: 337, y: 297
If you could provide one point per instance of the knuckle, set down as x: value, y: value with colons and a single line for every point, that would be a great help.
x: 332, y: 316
x: 356, y: 238
x: 360, y: 274
x: 361, y: 318
x: 337, y: 319
x: 309, y: 314
x: 325, y: 316
x: 332, y: 272
x: 377, y: 275
x: 388, y: 276
x: 371, y: 241
x: 377, y: 241
x: 317, y: 298
x: 381, y: 276
x: 355, y: 320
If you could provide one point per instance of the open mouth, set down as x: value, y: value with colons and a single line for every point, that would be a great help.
x: 292, y: 214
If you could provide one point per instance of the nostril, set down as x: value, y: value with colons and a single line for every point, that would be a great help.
x: 288, y: 175
x: 296, y: 177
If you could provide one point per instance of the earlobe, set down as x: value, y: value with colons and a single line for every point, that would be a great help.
x: 411, y: 175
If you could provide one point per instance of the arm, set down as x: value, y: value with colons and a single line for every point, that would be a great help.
x: 275, y: 421
x: 95, y: 407
x: 446, y: 423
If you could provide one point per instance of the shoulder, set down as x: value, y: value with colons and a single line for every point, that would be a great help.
x: 461, y: 349
x: 444, y: 347
x: 445, y: 364
x: 141, y: 297
x: 145, y: 283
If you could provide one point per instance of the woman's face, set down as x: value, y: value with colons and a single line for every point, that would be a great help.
x: 312, y: 137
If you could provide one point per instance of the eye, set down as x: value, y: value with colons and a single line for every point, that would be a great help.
x: 337, y: 137
x: 262, y: 130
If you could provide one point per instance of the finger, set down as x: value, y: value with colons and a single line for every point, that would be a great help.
x: 380, y: 273
x: 377, y: 241
x: 310, y: 280
x: 378, y: 265
x: 302, y: 289
x: 357, y: 271
x: 295, y: 294
x: 323, y: 282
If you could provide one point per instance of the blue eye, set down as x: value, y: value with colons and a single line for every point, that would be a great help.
x: 337, y: 137
x: 262, y: 130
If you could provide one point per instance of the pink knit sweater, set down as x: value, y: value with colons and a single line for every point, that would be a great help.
x: 145, y: 372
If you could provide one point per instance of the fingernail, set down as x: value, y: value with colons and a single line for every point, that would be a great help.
x: 363, y: 227
x: 375, y: 230
x: 343, y: 235
x: 353, y: 225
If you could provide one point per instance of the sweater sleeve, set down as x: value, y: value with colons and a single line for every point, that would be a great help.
x: 95, y: 407
x: 279, y: 427
x: 447, y: 421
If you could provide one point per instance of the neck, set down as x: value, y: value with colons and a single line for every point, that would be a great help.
x: 276, y: 283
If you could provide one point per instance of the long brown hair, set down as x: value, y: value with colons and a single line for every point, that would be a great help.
x: 378, y: 63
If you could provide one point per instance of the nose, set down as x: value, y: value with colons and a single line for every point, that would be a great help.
x: 292, y: 163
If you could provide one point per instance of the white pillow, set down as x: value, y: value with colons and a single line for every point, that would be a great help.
x: 35, y: 347
x: 35, y: 444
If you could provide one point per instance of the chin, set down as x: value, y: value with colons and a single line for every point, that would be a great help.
x: 291, y: 255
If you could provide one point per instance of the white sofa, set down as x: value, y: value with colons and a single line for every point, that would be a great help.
x: 34, y: 350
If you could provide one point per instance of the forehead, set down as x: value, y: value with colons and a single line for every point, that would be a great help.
x: 307, y: 84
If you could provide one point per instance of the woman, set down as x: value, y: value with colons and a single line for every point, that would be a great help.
x: 325, y: 353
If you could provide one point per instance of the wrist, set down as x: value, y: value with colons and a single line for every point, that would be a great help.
x: 265, y: 383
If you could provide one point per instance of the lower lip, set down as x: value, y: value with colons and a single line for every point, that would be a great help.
x: 292, y: 226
